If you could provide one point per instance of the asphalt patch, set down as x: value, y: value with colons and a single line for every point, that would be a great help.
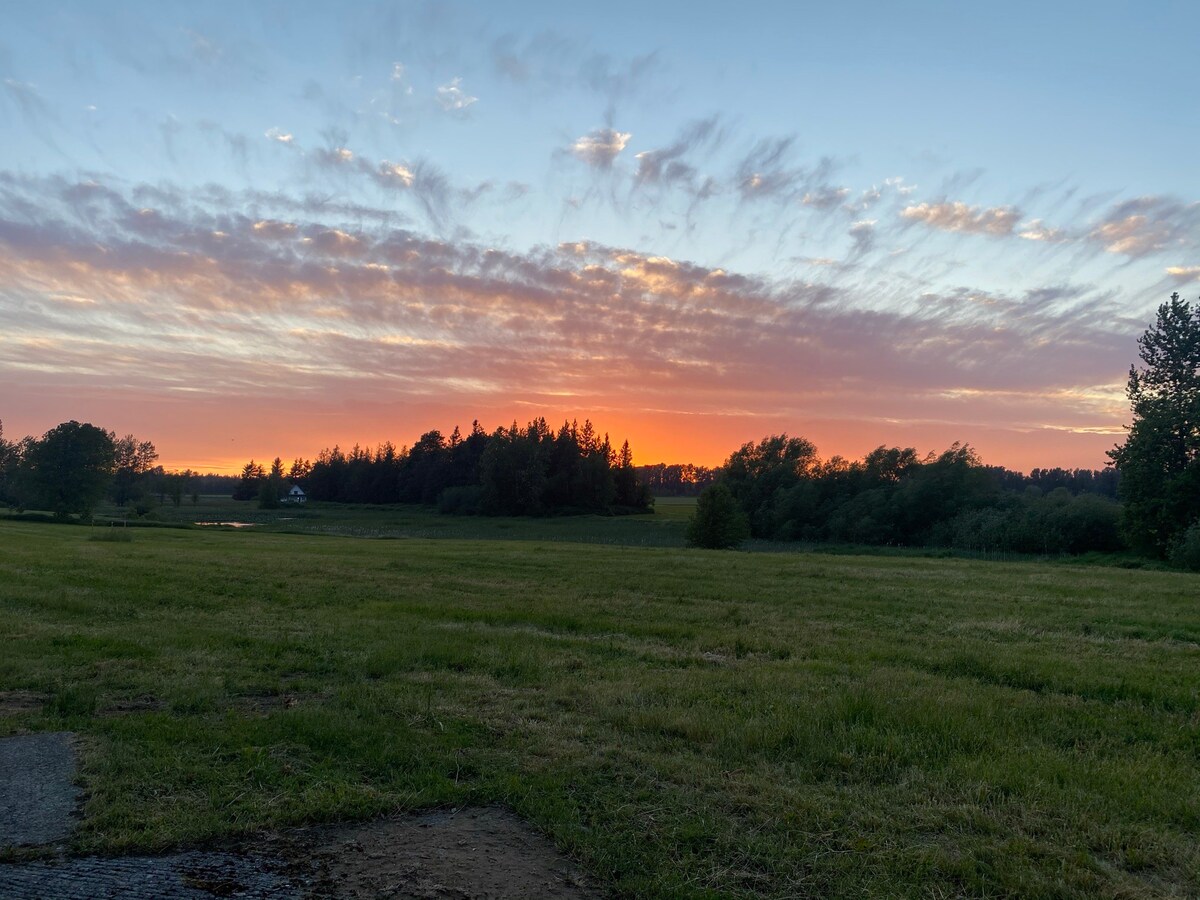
x: 38, y: 796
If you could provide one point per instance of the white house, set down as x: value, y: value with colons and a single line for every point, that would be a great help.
x: 296, y: 495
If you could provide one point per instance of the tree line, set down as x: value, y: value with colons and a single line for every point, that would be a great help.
x: 777, y: 489
x: 73, y: 467
x: 1147, y: 500
x: 896, y: 497
x: 530, y: 470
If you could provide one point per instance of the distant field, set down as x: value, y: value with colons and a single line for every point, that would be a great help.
x: 685, y: 723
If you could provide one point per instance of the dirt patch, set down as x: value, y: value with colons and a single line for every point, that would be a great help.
x: 443, y: 855
x: 14, y: 703
x: 132, y: 705
x: 468, y: 854
x: 265, y: 704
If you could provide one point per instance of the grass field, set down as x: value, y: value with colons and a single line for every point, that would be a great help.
x: 663, y: 528
x: 685, y: 723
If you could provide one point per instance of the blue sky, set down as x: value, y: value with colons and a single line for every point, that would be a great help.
x: 970, y: 210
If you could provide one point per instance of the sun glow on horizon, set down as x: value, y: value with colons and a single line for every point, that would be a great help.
x: 449, y: 217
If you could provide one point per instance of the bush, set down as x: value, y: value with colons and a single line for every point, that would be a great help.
x: 1185, y: 554
x: 268, y: 496
x: 719, y: 523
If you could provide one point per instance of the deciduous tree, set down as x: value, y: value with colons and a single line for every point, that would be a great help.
x: 70, y: 468
x: 718, y: 523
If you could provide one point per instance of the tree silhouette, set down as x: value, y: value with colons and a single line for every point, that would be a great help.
x: 1159, y: 461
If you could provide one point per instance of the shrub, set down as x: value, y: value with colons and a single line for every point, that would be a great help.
x: 1185, y: 554
x: 268, y: 495
x: 719, y: 523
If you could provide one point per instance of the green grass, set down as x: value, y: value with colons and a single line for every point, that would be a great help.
x: 685, y: 723
x: 662, y: 528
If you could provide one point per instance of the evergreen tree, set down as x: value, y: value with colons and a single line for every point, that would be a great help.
x: 629, y: 490
x: 248, y: 484
x: 1160, y: 459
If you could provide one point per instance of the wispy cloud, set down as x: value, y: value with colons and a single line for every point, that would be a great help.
x: 825, y: 197
x: 862, y: 233
x: 1146, y: 225
x: 668, y: 165
x: 316, y: 301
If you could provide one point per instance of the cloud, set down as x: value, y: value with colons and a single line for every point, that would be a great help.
x: 762, y: 172
x: 278, y: 134
x: 863, y: 235
x: 334, y: 157
x: 439, y: 199
x: 767, y: 172
x: 1147, y: 225
x: 451, y: 96
x: 272, y: 230
x: 1184, y: 273
x: 666, y: 166
x: 963, y: 219
x: 601, y: 147
x: 396, y: 174
x: 826, y: 197
x: 1036, y: 230
x: 312, y: 306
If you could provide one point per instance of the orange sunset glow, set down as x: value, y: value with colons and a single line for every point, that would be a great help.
x: 386, y: 241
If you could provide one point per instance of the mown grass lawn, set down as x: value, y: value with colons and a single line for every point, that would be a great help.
x: 685, y: 723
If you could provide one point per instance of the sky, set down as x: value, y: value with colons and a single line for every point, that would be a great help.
x: 243, y: 230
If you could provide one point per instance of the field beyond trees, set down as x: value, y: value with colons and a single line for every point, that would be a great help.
x: 683, y: 722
